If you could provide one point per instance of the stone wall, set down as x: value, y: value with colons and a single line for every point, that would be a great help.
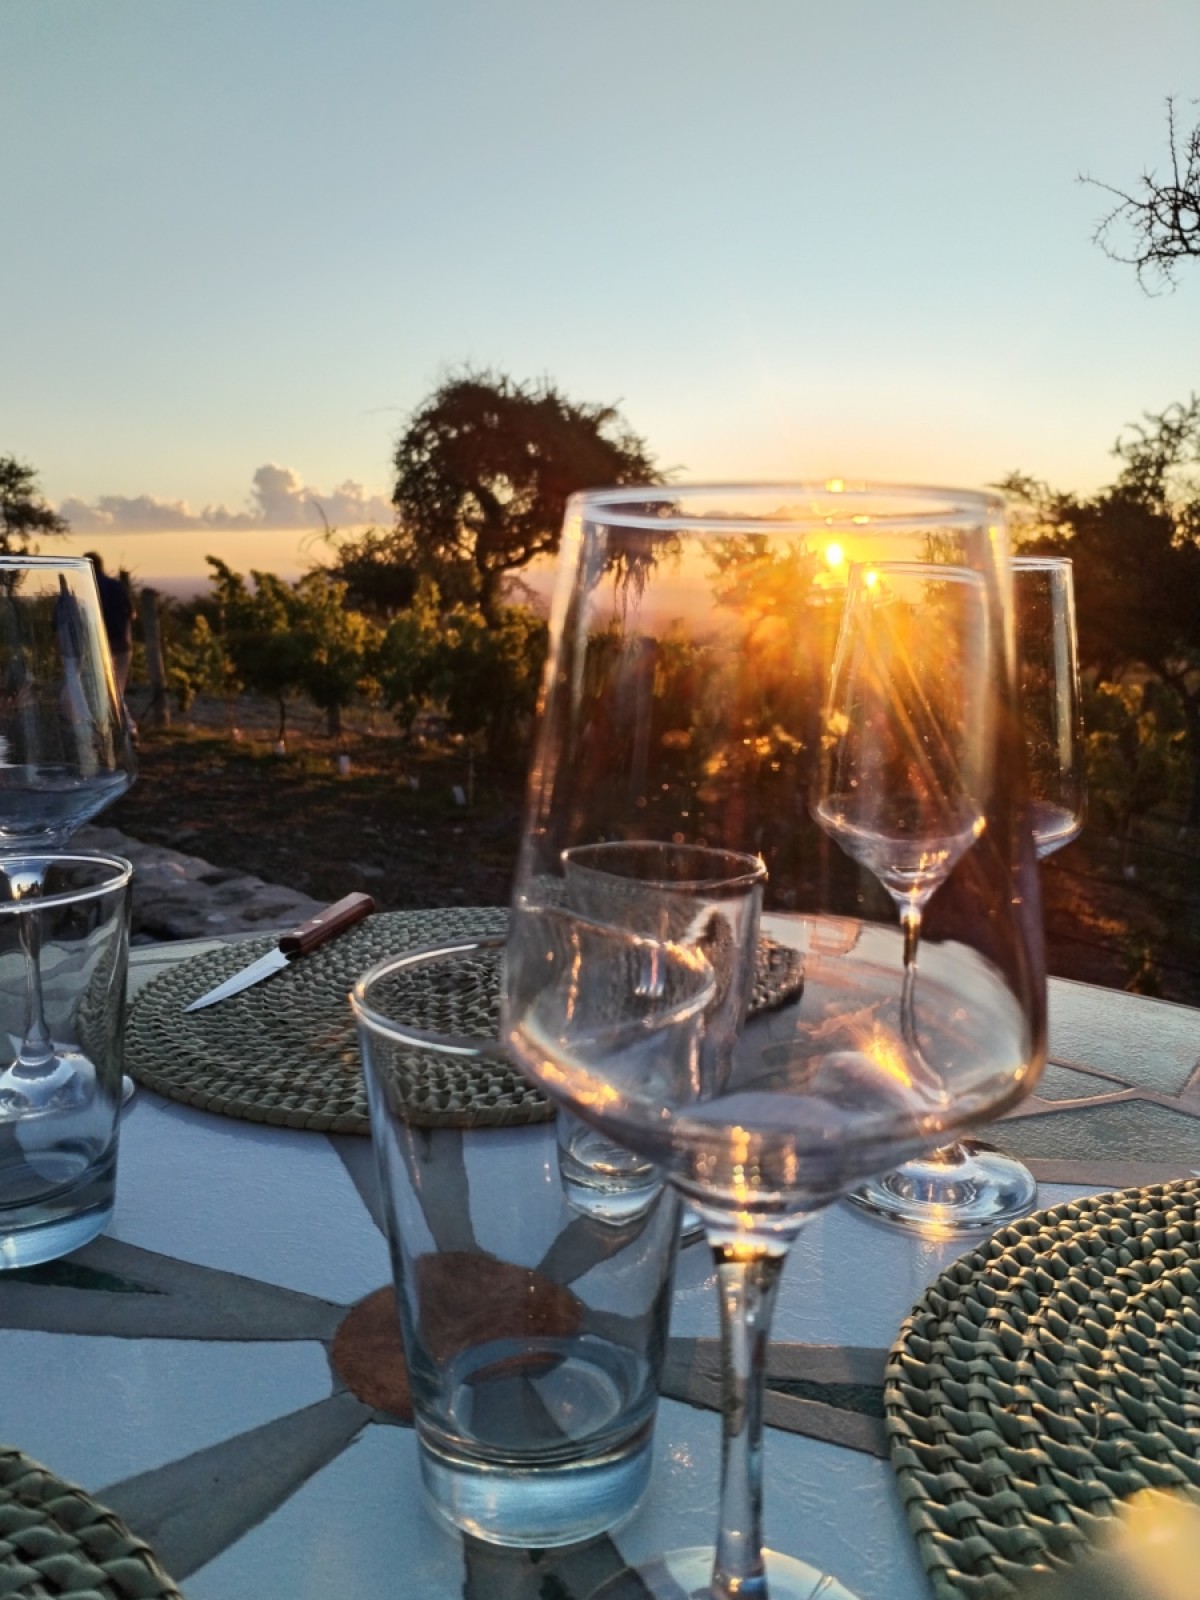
x: 177, y: 896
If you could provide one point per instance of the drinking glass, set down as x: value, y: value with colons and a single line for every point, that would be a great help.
x: 971, y: 1185
x: 687, y: 701
x: 58, y: 1168
x: 1048, y: 672
x: 65, y: 754
x: 688, y: 894
x: 534, y: 1336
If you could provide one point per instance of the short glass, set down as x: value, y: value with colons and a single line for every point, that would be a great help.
x: 534, y: 1334
x: 690, y: 894
x: 58, y: 1162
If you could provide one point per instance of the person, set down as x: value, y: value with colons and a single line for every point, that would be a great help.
x: 117, y: 610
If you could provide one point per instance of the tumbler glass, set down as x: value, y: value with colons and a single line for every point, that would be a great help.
x: 534, y: 1334
x: 58, y: 1161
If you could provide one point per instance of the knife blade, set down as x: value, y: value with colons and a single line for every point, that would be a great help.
x: 299, y: 941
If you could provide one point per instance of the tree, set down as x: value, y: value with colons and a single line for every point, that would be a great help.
x: 256, y: 629
x: 1136, y: 552
x: 23, y: 512
x: 1132, y: 752
x: 488, y: 677
x: 335, y: 644
x: 376, y: 569
x: 483, y: 679
x: 200, y: 664
x: 283, y: 639
x: 405, y: 662
x: 1161, y: 217
x: 483, y: 472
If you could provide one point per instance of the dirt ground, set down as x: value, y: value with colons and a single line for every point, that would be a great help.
x: 418, y: 827
x: 412, y: 827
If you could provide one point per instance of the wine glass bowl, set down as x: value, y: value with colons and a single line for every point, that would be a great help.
x: 821, y: 1094
x: 64, y: 747
x: 687, y: 702
x: 1048, y: 679
x: 907, y: 743
x: 65, y: 754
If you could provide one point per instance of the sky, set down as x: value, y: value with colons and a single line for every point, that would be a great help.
x: 246, y: 238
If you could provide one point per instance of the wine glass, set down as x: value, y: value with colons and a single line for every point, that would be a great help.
x: 908, y: 746
x: 971, y: 1185
x: 1048, y: 672
x: 686, y: 701
x: 65, y: 754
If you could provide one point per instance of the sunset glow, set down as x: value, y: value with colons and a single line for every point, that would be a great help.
x: 226, y: 319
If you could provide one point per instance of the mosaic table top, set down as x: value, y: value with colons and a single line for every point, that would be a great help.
x: 184, y: 1368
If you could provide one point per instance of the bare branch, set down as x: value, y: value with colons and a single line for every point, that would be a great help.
x: 1157, y: 226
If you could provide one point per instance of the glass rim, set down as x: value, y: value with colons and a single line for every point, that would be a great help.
x: 118, y: 878
x: 1043, y: 563
x: 77, y: 563
x: 913, y: 505
x: 451, y: 1044
x: 684, y: 886
x: 949, y: 571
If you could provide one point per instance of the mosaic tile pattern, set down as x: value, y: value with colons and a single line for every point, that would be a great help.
x: 183, y: 1367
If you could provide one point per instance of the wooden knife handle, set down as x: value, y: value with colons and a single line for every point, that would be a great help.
x: 326, y: 924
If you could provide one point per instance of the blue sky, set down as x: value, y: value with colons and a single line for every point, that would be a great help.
x: 246, y: 237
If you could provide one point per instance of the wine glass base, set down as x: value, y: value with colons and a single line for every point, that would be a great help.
x: 691, y: 1229
x: 65, y: 1082
x: 687, y: 1575
x: 969, y: 1188
x: 60, y: 1083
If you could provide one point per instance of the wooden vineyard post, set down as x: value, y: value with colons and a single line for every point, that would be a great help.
x: 158, y: 712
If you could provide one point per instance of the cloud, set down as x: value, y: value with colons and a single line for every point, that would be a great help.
x: 279, y: 498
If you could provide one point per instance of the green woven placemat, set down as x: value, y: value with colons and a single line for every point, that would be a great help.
x: 1045, y: 1376
x: 55, y: 1540
x: 285, y: 1051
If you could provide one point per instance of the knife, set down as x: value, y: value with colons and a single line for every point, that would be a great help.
x: 296, y: 942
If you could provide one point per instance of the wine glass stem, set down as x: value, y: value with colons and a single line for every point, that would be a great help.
x: 747, y: 1290
x: 26, y: 882
x: 910, y: 921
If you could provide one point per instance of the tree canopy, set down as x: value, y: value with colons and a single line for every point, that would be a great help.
x: 483, y: 472
x: 1156, y: 226
x: 286, y: 638
x: 23, y: 512
x: 377, y: 569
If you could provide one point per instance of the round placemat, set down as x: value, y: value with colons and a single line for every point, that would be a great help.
x: 778, y: 976
x: 55, y: 1540
x: 1045, y: 1377
x: 447, y: 1089
x: 285, y: 1051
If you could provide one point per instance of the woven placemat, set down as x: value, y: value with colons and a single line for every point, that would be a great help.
x: 285, y: 1052
x: 55, y: 1540
x: 1043, y: 1378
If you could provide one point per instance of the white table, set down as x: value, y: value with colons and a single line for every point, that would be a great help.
x: 207, y: 1412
